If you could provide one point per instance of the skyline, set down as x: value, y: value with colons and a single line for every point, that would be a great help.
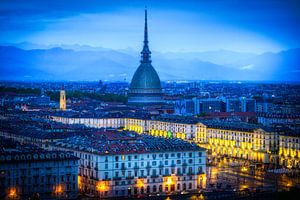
x: 192, y: 26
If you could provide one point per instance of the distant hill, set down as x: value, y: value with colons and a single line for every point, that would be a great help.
x: 89, y: 63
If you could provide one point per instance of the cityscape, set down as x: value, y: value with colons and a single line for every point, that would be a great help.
x: 209, y: 108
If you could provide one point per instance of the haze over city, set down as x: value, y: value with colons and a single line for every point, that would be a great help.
x: 160, y: 100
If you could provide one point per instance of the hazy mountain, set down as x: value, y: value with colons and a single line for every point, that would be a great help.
x: 284, y: 65
x: 107, y: 64
x: 220, y: 57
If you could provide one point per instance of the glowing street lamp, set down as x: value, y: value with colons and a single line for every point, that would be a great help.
x: 58, y: 190
x: 12, y: 193
x: 244, y: 169
x: 101, y: 186
x: 169, y: 181
x: 140, y: 183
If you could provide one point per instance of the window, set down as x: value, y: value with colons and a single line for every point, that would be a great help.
x: 166, y: 171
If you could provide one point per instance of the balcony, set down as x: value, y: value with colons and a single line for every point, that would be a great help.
x: 148, y: 166
x: 165, y: 175
x: 117, y: 178
x: 161, y: 166
x: 135, y: 167
x: 129, y: 177
x: 154, y: 176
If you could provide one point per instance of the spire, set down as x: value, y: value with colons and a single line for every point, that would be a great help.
x: 146, y: 53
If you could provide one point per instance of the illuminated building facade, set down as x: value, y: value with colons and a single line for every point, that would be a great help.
x: 249, y: 143
x: 138, y: 164
x: 289, y: 150
x: 238, y: 140
x: 46, y: 175
x: 62, y: 99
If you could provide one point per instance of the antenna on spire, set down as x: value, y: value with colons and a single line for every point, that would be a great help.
x: 146, y: 52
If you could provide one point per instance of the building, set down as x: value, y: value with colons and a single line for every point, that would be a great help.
x: 62, y: 99
x: 30, y: 172
x: 186, y: 106
x: 267, y: 119
x: 196, y: 106
x: 121, y: 163
x: 248, y: 104
x: 289, y: 150
x: 257, y: 143
x: 211, y: 105
x: 240, y: 140
x: 145, y: 86
x: 233, y: 105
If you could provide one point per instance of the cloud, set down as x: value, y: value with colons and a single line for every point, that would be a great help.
x: 247, y: 67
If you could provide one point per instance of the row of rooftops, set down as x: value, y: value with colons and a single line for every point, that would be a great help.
x: 240, y: 126
x: 125, y: 142
x: 279, y: 115
x: 38, y: 125
x: 13, y: 151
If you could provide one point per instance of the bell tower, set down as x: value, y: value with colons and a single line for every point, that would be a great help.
x: 62, y: 99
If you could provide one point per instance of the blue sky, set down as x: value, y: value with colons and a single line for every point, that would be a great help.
x: 249, y: 25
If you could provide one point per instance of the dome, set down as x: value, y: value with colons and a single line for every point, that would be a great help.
x: 145, y: 87
x: 145, y: 77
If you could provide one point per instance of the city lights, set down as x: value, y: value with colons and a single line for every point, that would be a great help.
x: 102, y: 186
x: 12, y: 193
x: 140, y: 183
x: 58, y: 189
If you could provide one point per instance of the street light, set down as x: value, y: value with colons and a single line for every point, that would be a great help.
x: 12, y: 193
x: 58, y: 190
x: 244, y: 169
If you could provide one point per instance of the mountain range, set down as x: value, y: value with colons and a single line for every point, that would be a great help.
x: 76, y: 62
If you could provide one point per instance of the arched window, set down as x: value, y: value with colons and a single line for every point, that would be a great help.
x: 178, y: 186
x: 160, y: 188
x: 142, y: 190
x: 154, y: 188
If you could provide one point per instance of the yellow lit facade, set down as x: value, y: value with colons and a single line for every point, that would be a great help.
x: 289, y: 151
x: 259, y: 145
x: 137, y: 125
x: 62, y: 100
x: 256, y: 145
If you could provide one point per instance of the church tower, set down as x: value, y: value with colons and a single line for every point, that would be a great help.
x: 145, y: 87
x: 62, y: 99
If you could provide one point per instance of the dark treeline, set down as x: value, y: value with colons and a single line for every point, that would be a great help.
x: 34, y: 91
x: 54, y: 95
x: 78, y: 94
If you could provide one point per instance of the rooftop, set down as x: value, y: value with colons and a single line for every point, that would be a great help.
x: 125, y: 142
